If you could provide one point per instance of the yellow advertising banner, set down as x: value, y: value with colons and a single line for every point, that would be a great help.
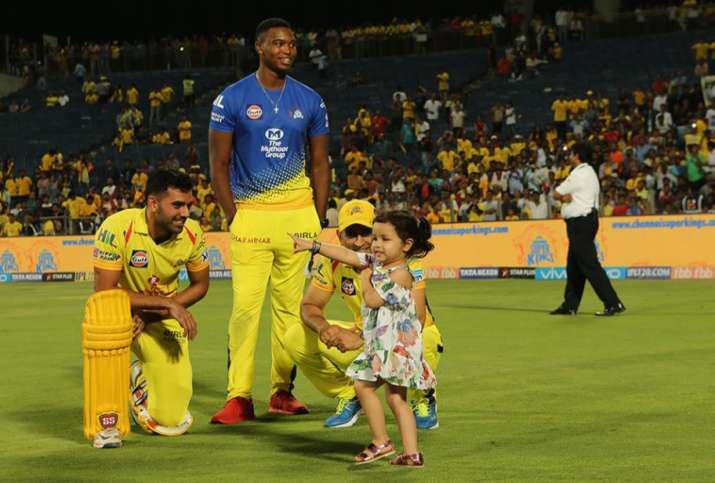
x: 678, y: 246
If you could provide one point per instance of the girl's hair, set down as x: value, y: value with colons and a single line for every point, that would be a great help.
x: 407, y: 226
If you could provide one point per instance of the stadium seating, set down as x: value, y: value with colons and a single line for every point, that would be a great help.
x: 589, y: 65
x: 78, y: 126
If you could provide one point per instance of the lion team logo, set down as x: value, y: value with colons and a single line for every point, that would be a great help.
x: 8, y: 262
x: 540, y: 252
x: 348, y: 286
x: 214, y: 257
x: 254, y: 112
x: 46, y: 262
x: 108, y: 420
x: 139, y: 259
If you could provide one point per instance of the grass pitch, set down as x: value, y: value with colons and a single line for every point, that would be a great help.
x: 524, y: 396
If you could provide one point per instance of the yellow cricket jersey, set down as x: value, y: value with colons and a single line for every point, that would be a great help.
x: 329, y: 274
x: 123, y: 244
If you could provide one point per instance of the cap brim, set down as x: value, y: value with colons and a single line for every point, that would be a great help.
x: 344, y: 226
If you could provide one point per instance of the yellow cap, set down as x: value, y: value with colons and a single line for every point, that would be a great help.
x: 356, y: 212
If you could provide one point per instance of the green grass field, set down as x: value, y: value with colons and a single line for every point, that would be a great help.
x: 524, y: 396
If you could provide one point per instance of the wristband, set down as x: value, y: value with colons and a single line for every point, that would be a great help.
x: 315, y: 249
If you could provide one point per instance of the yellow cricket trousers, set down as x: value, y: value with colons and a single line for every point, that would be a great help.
x: 261, y: 250
x: 163, y: 351
x: 325, y: 367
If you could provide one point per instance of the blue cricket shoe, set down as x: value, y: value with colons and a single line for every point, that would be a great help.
x: 346, y: 414
x: 425, y: 410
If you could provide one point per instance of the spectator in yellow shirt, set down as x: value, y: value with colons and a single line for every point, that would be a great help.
x: 209, y: 206
x: 700, y: 49
x: 188, y: 86
x: 48, y: 228
x: 161, y: 137
x: 155, y: 101
x: 448, y: 159
x: 203, y: 189
x: 408, y: 110
x: 560, y: 109
x: 184, y: 128
x: 132, y: 95
x: 23, y: 186
x: 354, y: 157
x: 12, y: 228
x: 430, y: 214
x: 91, y: 98
x: 139, y: 180
x: 11, y: 187
x: 443, y: 84
x: 167, y: 95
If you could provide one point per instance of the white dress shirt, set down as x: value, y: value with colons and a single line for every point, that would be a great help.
x: 582, y: 184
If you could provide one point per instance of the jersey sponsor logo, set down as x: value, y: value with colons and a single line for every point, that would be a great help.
x: 173, y: 335
x: 106, y: 256
x: 139, y: 259
x: 250, y: 239
x: 108, y: 420
x: 347, y: 286
x: 218, y: 102
x: 106, y: 237
x: 297, y: 114
x: 274, y: 147
x: 254, y: 112
x: 304, y: 234
x: 274, y: 134
x: 216, y: 117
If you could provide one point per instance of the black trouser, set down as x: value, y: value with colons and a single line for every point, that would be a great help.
x: 583, y: 263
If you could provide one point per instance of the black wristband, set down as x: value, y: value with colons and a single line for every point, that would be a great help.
x: 315, y: 249
x: 324, y: 223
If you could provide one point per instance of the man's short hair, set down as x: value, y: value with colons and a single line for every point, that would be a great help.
x: 583, y: 151
x: 270, y: 23
x: 161, y: 180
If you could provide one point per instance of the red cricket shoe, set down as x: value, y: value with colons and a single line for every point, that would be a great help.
x: 236, y: 410
x: 283, y: 402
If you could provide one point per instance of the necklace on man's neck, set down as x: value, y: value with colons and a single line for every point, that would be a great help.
x: 277, y: 103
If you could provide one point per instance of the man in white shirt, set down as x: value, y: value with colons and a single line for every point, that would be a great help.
x: 422, y: 128
x: 579, y: 195
x: 432, y: 106
x: 537, y: 206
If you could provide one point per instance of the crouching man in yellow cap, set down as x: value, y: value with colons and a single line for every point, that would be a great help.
x: 323, y: 349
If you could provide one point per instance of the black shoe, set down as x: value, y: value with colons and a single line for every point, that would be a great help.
x: 563, y: 311
x: 609, y: 311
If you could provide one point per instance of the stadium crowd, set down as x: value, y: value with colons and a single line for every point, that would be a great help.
x: 655, y: 154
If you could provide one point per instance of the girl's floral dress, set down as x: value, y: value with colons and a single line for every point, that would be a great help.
x: 393, y: 338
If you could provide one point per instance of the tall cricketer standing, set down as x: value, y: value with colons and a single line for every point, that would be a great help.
x: 259, y: 130
x: 137, y: 258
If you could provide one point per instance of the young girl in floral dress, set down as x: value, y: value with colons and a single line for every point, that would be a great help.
x: 392, y: 354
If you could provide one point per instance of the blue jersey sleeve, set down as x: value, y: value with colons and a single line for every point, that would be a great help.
x: 319, y: 124
x: 223, y: 117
